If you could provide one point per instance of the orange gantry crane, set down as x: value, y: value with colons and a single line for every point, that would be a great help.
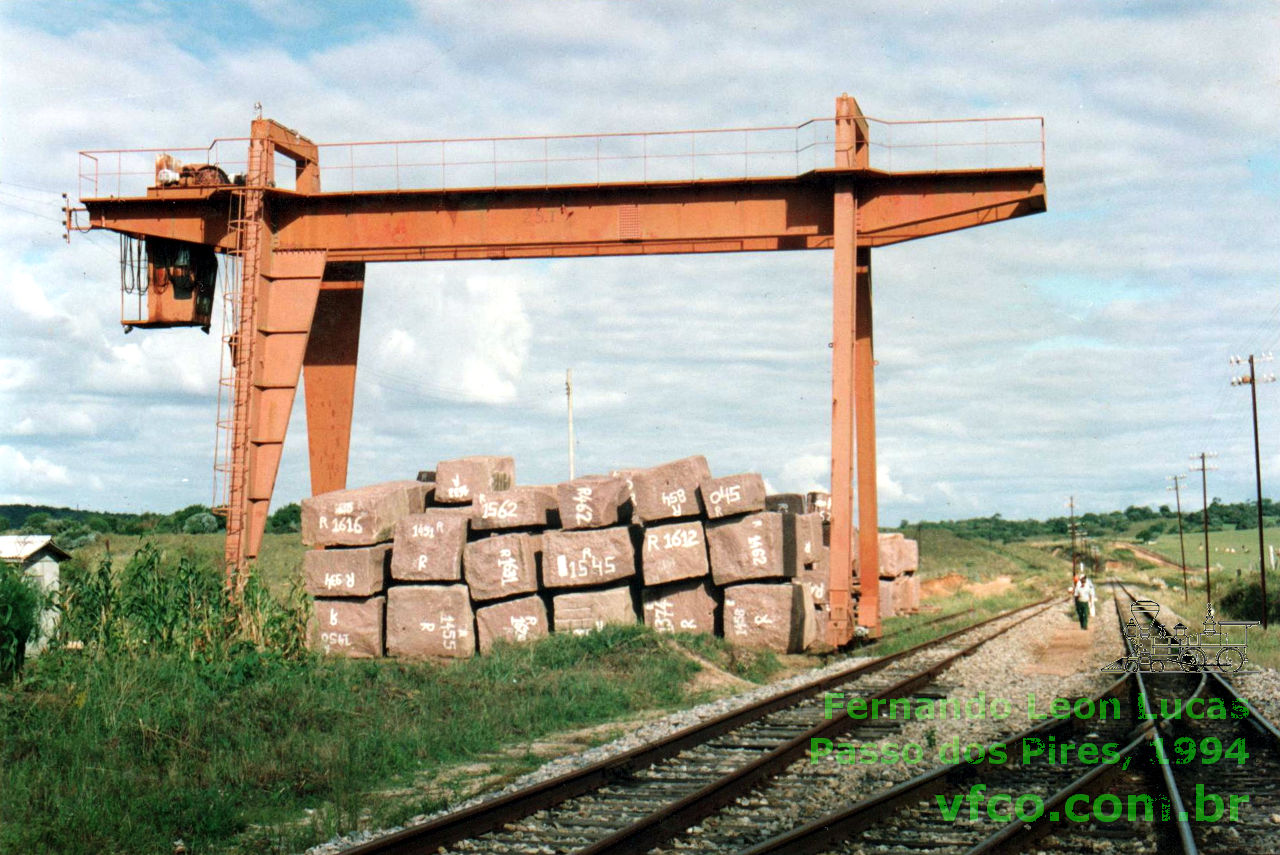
x: 293, y: 301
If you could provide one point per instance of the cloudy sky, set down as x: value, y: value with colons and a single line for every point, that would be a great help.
x: 1078, y: 352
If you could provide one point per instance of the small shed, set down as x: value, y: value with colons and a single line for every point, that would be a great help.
x: 39, y: 556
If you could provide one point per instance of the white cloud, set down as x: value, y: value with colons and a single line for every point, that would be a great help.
x: 19, y: 472
x: 1081, y: 350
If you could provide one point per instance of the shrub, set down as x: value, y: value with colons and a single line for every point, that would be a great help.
x: 21, y: 602
x: 201, y: 523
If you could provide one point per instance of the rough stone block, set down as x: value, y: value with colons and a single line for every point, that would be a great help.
x: 595, y: 501
x: 822, y: 626
x: 429, y: 620
x: 351, y: 628
x: 910, y: 555
x: 502, y: 566
x: 670, y: 490
x: 791, y: 503
x: 757, y: 546
x: 683, y: 607
x: 910, y: 584
x: 459, y: 481
x: 428, y: 547
x: 427, y: 476
x: 586, y: 611
x: 818, y: 502
x: 674, y: 551
x: 808, y: 617
x: 519, y: 507
x: 629, y: 476
x: 595, y: 556
x: 767, y: 615
x: 817, y: 577
x: 356, y: 572
x: 808, y: 537
x: 360, y: 517
x: 732, y: 495
x: 888, y: 593
x: 897, y: 555
x: 516, y: 621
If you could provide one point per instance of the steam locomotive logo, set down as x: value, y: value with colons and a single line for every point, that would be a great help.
x: 1221, y: 645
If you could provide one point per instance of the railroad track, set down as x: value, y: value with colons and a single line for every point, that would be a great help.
x: 908, y: 819
x: 633, y: 802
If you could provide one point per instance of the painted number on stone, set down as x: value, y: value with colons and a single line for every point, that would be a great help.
x: 740, y: 626
x: 759, y: 557
x: 427, y: 530
x: 509, y: 567
x: 588, y: 564
x: 341, y: 525
x: 339, y: 580
x: 681, y: 538
x: 335, y: 639
x: 727, y: 493
x: 458, y: 490
x: 664, y: 616
x: 582, y: 506
x: 675, y: 501
x: 521, y: 625
x: 492, y: 510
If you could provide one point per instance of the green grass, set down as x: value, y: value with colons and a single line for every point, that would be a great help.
x: 278, y: 565
x: 758, y: 666
x: 173, y: 722
x: 1229, y: 551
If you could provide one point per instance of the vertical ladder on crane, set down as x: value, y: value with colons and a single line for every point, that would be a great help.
x: 239, y: 327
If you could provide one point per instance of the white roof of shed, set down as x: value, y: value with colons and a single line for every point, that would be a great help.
x: 20, y: 547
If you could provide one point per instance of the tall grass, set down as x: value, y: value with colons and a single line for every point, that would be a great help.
x: 181, y: 608
x: 181, y: 716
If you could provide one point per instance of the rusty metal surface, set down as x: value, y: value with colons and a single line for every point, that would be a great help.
x: 802, y: 187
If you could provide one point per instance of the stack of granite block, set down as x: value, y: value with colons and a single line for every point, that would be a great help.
x: 464, y: 558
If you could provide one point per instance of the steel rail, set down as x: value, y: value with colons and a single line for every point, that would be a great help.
x: 821, y: 834
x: 1254, y: 720
x: 487, y: 816
x: 641, y: 836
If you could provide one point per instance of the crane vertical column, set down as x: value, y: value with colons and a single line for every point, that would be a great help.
x: 248, y: 225
x: 851, y: 152
x: 276, y: 305
x: 843, y: 316
x: 329, y: 374
x: 864, y: 396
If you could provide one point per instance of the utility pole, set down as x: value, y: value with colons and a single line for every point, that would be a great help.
x: 1204, y: 486
x: 1182, y: 547
x: 1252, y: 380
x: 1071, y: 503
x: 568, y: 391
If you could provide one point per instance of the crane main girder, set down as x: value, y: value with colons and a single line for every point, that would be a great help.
x: 746, y: 215
x: 308, y: 261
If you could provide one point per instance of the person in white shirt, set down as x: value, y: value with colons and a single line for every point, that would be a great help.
x: 1083, y: 593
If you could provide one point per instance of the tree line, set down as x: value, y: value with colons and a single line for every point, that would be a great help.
x: 1150, y: 523
x: 72, y: 528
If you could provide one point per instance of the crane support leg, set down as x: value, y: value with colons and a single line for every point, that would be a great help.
x: 287, y: 303
x: 864, y: 384
x: 329, y: 374
x: 844, y: 316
